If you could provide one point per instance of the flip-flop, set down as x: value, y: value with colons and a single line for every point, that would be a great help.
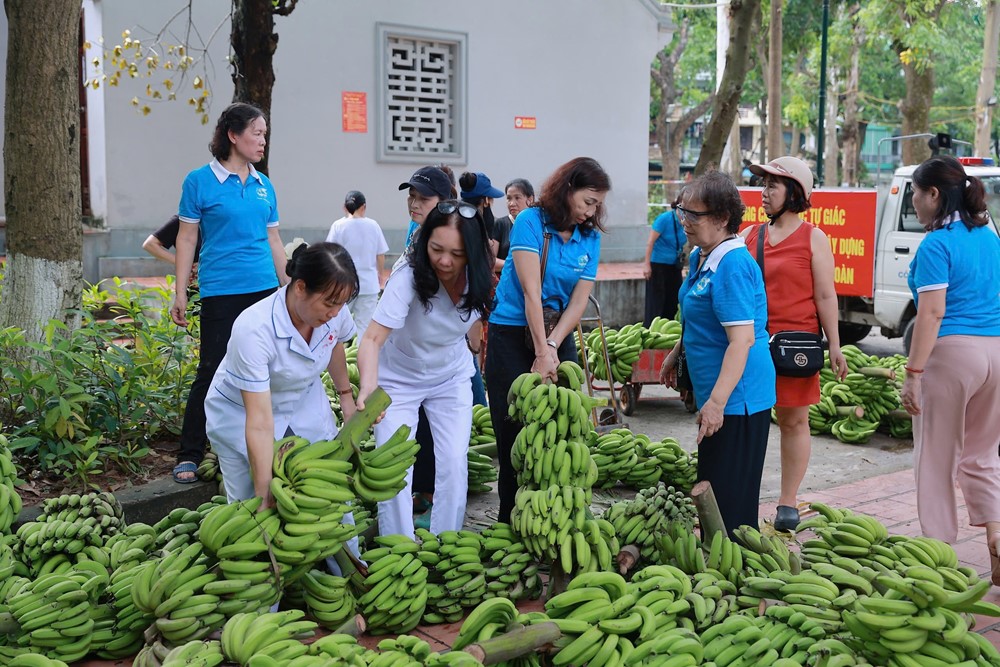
x: 186, y: 466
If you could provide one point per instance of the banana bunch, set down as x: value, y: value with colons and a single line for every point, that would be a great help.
x: 130, y: 621
x: 678, y: 467
x: 856, y: 536
x: 544, y: 518
x: 647, y: 471
x: 615, y: 454
x: 570, y: 375
x: 663, y: 334
x: 312, y: 491
x: 816, y: 596
x: 900, y: 425
x: 624, y: 346
x: 643, y: 520
x: 511, y: 572
x: 396, y: 591
x: 194, y: 653
x: 53, y: 611
x: 487, y: 619
x: 209, y: 470
x: 543, y: 461
x: 456, y: 575
x: 71, y: 507
x: 532, y: 400
x: 482, y: 472
x: 410, y: 650
x: 678, y: 644
x: 482, y: 427
x: 765, y: 554
x: 10, y: 500
x: 129, y: 546
x: 343, y: 649
x: 381, y: 473
x: 328, y: 598
x: 34, y: 660
x: 591, y: 548
x: 274, y: 635
x: 178, y: 529
x: 53, y: 545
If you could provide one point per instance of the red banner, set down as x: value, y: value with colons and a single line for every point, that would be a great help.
x: 847, y: 217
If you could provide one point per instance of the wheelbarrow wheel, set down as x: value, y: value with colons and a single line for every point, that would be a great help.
x: 629, y: 397
x: 607, y: 417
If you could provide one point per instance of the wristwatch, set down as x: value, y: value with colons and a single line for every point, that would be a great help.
x: 551, y: 343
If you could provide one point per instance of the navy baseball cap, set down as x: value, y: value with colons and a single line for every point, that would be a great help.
x: 430, y: 182
x: 483, y: 188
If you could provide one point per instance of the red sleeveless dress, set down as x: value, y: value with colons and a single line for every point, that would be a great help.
x: 790, y: 302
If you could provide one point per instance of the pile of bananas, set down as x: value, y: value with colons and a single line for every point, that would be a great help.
x: 544, y: 518
x: 615, y: 454
x: 275, y: 635
x: 126, y: 636
x: 408, y: 650
x: 456, y: 574
x: 328, y: 598
x: 543, y: 461
x: 625, y: 344
x: 53, y: 611
x: 30, y: 659
x: 178, y: 528
x: 482, y: 427
x: 764, y: 554
x: 492, y: 616
x: 511, y: 572
x: 482, y: 471
x: 534, y: 401
x: 482, y: 449
x: 643, y: 520
x: 662, y: 334
x: 678, y: 467
x: 396, y: 591
x: 209, y: 470
x: 639, y: 462
x: 10, y: 501
x: 380, y: 474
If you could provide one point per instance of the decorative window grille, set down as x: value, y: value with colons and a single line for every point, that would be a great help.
x: 422, y: 105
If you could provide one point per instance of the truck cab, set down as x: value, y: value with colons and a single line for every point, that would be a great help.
x: 898, y: 234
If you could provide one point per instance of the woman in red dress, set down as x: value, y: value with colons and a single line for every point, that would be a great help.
x: 798, y: 276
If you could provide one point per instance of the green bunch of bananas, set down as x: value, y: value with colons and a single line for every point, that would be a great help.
x: 53, y: 612
x: 178, y: 529
x: 678, y: 467
x: 129, y: 621
x: 396, y: 591
x: 511, y: 572
x: 624, y: 346
x: 533, y: 401
x: 662, y: 334
x: 483, y: 622
x: 410, y: 650
x: 456, y: 574
x: 482, y: 471
x: 209, y: 470
x: 482, y: 427
x: 853, y: 535
x: 544, y: 518
x: 70, y: 507
x: 712, y: 599
x: 820, y: 598
x: 381, y: 473
x: 643, y: 520
x: 53, y: 546
x: 194, y: 653
x: 615, y: 454
x: 129, y: 546
x: 764, y: 554
x: 274, y: 635
x: 343, y: 649
x: 647, y: 471
x: 542, y: 461
x: 10, y: 500
x: 31, y: 659
x: 328, y: 598
x: 591, y: 548
x: 151, y: 655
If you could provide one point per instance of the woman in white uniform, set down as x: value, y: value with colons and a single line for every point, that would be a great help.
x: 268, y: 385
x: 422, y: 321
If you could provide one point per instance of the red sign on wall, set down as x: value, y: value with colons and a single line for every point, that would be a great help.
x: 847, y: 217
x: 355, y: 111
x: 524, y: 123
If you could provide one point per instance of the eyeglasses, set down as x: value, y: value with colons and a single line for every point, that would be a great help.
x: 467, y: 211
x: 689, y: 215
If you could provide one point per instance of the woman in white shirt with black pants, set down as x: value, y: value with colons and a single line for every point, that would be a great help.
x: 416, y: 349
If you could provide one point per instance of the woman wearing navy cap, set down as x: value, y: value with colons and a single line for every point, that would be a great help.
x: 568, y: 219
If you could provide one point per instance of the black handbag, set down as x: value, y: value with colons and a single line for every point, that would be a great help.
x: 797, y: 354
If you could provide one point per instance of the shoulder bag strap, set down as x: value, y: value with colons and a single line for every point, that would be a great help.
x: 547, y: 236
x: 677, y: 239
x: 761, y: 231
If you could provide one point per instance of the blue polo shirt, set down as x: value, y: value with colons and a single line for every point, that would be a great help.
x: 669, y: 245
x: 233, y: 218
x: 966, y: 263
x: 727, y: 291
x: 409, y: 233
x: 568, y: 263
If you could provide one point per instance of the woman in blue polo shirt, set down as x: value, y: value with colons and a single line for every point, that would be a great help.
x: 952, y: 385
x: 724, y: 310
x: 242, y: 259
x: 664, y: 251
x: 570, y: 213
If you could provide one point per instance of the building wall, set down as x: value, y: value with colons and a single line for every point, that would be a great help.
x: 581, y: 67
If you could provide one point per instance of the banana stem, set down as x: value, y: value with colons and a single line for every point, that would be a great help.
x: 878, y: 372
x: 900, y: 414
x: 522, y: 641
x: 709, y: 515
x: 357, y: 427
x: 353, y: 626
x: 850, y: 410
x: 490, y: 449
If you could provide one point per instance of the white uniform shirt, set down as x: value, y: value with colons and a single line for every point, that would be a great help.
x: 364, y: 241
x: 425, y: 347
x: 267, y: 353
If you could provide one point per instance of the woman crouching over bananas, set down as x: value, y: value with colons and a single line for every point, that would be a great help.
x: 268, y: 385
x: 542, y: 294
x: 416, y: 349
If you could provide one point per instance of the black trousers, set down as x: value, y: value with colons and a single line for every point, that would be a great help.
x: 732, y: 460
x: 661, y: 292
x: 217, y: 316
x: 507, y: 357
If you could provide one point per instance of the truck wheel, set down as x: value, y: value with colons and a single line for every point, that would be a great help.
x: 629, y: 396
x: 908, y: 336
x: 851, y: 333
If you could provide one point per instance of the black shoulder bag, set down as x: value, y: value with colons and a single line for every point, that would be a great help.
x: 550, y: 316
x: 796, y: 354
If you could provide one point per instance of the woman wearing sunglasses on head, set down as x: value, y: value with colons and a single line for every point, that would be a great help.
x: 416, y: 349
x: 555, y: 247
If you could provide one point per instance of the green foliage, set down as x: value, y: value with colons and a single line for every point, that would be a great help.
x: 84, y: 399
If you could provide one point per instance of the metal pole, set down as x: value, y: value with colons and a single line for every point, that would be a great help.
x: 820, y: 142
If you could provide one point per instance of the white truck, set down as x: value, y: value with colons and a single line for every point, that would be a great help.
x: 874, y: 235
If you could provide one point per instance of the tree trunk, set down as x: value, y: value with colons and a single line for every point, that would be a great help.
x: 44, y: 273
x: 672, y: 157
x: 915, y: 109
x: 793, y: 149
x: 850, y: 132
x: 775, y: 135
x: 987, y: 79
x: 726, y: 106
x: 664, y: 75
x: 830, y: 150
x: 254, y: 42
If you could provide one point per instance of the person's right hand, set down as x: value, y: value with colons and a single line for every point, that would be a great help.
x: 647, y: 271
x: 668, y: 371
x: 546, y: 364
x: 178, y: 312
x: 359, y: 402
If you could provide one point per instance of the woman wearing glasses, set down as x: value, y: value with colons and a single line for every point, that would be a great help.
x: 416, y: 349
x: 725, y: 343
x: 558, y: 238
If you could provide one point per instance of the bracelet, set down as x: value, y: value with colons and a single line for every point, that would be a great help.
x: 345, y: 392
x: 911, y: 370
x: 551, y: 343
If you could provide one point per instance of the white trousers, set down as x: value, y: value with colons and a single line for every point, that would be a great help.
x: 362, y: 309
x: 448, y: 406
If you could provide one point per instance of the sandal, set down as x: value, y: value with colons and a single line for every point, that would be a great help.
x: 185, y: 467
x: 786, y: 519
